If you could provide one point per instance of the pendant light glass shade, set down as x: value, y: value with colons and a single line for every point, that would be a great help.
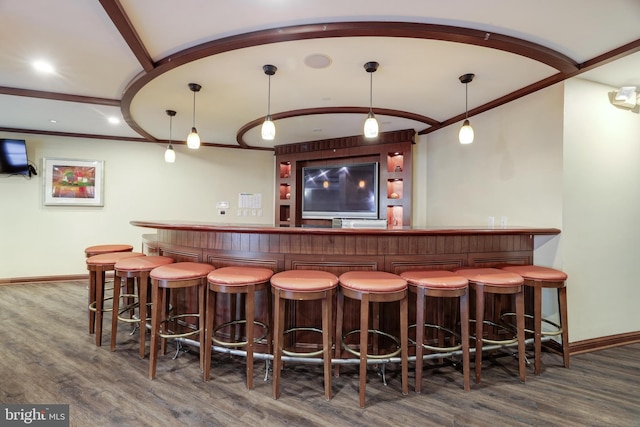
x: 371, y: 127
x: 169, y: 153
x: 268, y: 130
x: 466, y: 135
x: 193, y: 140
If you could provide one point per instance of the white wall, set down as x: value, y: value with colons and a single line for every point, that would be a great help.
x: 601, y: 226
x: 38, y: 240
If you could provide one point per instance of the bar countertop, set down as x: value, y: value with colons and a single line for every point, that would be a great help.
x: 392, y: 230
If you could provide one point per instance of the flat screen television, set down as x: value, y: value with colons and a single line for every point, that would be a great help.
x: 13, y: 157
x: 340, y: 191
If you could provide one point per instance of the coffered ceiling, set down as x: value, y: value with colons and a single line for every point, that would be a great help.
x: 134, y: 59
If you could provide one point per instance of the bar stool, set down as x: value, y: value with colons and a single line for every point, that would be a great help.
x: 303, y: 285
x: 179, y: 275
x: 98, y: 265
x: 97, y: 250
x: 135, y: 271
x: 373, y: 287
x: 539, y: 278
x: 497, y: 282
x: 236, y: 280
x: 440, y: 284
x: 106, y: 249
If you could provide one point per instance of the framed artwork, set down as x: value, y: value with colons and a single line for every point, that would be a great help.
x: 71, y: 182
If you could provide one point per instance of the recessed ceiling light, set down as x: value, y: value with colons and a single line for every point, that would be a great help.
x: 53, y: 121
x: 43, y: 67
x: 114, y: 120
x: 317, y: 60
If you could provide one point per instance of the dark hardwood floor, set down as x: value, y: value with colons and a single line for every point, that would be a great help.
x: 49, y: 357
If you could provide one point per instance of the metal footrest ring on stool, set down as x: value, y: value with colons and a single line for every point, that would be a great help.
x: 372, y: 356
x: 496, y: 325
x: 557, y: 331
x: 178, y: 335
x: 92, y: 306
x: 239, y: 343
x: 301, y: 354
x: 439, y: 349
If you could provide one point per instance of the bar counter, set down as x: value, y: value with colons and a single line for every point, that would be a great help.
x: 338, y: 250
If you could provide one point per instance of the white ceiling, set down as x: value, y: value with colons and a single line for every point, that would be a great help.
x: 104, y: 70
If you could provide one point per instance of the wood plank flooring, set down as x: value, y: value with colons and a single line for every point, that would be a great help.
x: 49, y: 357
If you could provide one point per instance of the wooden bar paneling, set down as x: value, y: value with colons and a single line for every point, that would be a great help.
x: 338, y: 251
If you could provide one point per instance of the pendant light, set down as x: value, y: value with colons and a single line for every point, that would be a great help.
x: 170, y: 154
x: 193, y: 140
x: 466, y: 131
x: 371, y: 124
x: 268, y: 127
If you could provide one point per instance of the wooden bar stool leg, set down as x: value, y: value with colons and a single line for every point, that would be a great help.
x: 404, y: 342
x: 420, y: 303
x: 464, y: 332
x: 209, y: 328
x: 364, y: 335
x: 479, y: 329
x: 99, y: 305
x: 249, y: 316
x: 521, y: 337
x: 201, y: 319
x: 339, y: 322
x: 537, y: 328
x: 143, y: 287
x: 116, y: 307
x: 165, y: 297
x: 278, y: 320
x: 564, y: 322
x: 157, y: 307
x: 92, y: 297
x: 326, y: 342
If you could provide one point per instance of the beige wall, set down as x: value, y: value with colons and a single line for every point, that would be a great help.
x: 40, y: 240
x: 601, y: 225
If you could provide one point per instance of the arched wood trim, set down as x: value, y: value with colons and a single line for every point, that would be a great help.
x: 502, y: 42
x: 332, y: 110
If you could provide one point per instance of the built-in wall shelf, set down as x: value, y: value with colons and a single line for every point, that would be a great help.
x: 391, y: 150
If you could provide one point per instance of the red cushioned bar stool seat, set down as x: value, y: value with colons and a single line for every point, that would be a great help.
x: 439, y: 284
x: 537, y: 277
x: 98, y: 265
x: 303, y: 285
x: 237, y: 280
x: 106, y: 249
x: 135, y: 272
x: 171, y: 277
x: 373, y: 287
x: 494, y: 281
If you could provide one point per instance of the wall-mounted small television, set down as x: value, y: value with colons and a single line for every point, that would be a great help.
x: 340, y: 191
x: 13, y: 157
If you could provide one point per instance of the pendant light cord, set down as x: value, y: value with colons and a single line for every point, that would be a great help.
x: 194, y: 110
x: 466, y: 101
x: 269, y: 100
x: 370, y: 92
x: 170, y: 128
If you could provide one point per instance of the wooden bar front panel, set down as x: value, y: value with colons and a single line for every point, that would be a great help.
x: 339, y: 251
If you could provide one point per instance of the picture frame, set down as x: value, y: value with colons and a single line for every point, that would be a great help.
x: 73, y: 182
